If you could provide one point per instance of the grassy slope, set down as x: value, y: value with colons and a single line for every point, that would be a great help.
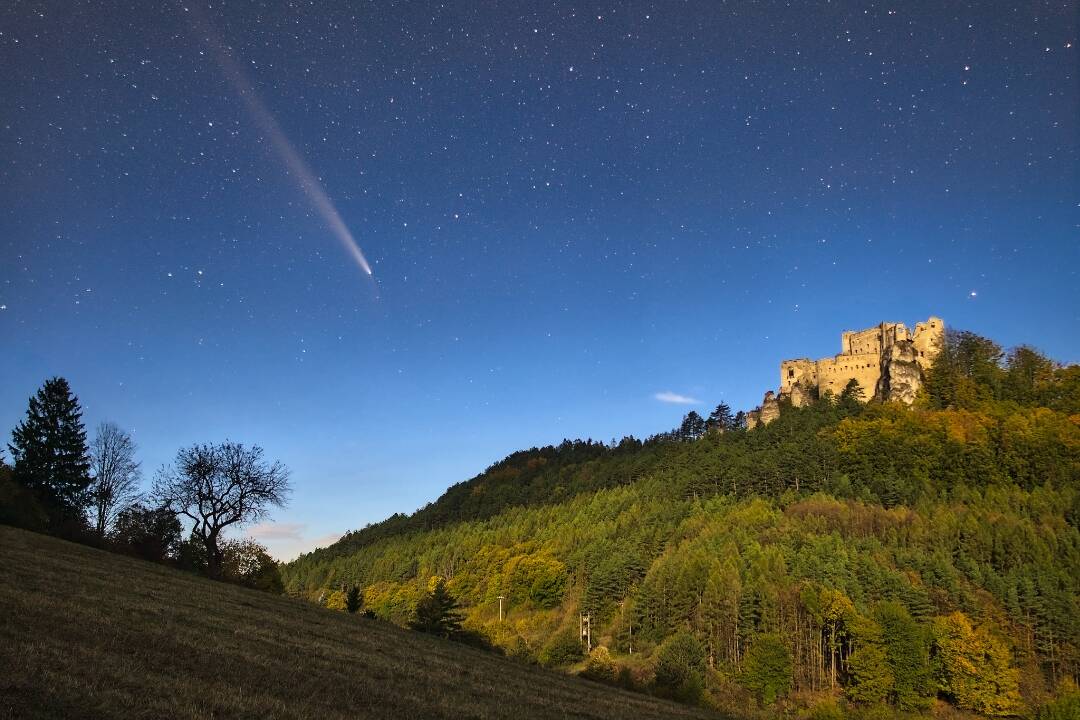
x: 84, y: 633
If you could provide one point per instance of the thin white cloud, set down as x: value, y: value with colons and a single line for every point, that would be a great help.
x: 277, y: 531
x: 675, y: 398
x: 286, y: 540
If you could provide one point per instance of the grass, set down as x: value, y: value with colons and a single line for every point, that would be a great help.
x: 89, y: 634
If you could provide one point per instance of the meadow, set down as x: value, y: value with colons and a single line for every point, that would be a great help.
x: 90, y: 634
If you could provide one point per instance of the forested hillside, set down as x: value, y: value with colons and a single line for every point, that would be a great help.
x: 843, y: 559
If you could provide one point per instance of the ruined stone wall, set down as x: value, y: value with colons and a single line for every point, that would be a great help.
x: 835, y: 373
x: 803, y: 372
x: 888, y: 361
x: 929, y: 339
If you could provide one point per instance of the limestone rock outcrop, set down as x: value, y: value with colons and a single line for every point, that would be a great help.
x: 799, y: 396
x: 901, y: 377
x: 766, y: 413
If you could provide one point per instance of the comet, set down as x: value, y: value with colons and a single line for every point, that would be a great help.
x: 305, y: 178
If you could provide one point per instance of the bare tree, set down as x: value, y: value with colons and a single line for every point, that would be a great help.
x: 216, y: 486
x: 115, y: 473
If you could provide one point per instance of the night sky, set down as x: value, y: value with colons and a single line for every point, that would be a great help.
x: 572, y: 212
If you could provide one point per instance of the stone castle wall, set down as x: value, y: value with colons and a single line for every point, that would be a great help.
x: 888, y: 361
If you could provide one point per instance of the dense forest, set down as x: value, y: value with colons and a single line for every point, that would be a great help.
x: 849, y: 558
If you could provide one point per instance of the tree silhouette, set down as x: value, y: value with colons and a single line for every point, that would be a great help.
x: 115, y: 473
x: 150, y: 533
x: 353, y: 599
x: 216, y: 486
x: 50, y: 455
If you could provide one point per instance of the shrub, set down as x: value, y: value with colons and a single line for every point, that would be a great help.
x: 601, y: 666
x: 680, y: 668
x: 18, y: 506
x: 564, y: 648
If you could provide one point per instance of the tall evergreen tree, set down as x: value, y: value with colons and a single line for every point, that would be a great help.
x: 721, y: 418
x: 437, y: 613
x: 693, y: 426
x: 50, y: 453
x: 852, y: 397
x: 353, y: 600
x: 907, y: 655
x: 739, y: 421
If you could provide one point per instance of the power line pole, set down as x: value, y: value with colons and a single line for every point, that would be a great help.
x: 585, y: 627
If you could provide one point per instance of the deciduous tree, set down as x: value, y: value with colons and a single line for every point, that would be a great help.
x: 114, y: 475
x: 246, y: 562
x: 975, y: 668
x: 680, y: 667
x: 767, y: 671
x: 218, y: 486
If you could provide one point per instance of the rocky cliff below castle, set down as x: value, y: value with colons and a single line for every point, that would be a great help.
x: 888, y: 362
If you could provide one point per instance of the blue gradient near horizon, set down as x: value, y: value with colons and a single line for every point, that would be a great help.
x: 567, y: 210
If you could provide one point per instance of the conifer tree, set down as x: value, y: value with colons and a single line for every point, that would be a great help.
x: 721, y: 418
x: 852, y: 396
x: 437, y: 613
x: 739, y: 421
x: 353, y: 600
x: 50, y: 453
x: 907, y: 655
x: 693, y: 426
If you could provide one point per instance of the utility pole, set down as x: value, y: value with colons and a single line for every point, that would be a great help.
x: 585, y: 627
x: 500, y: 608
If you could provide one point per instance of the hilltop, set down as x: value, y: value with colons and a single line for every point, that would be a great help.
x: 844, y: 557
x: 85, y: 633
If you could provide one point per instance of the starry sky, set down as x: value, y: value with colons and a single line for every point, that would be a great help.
x: 582, y: 219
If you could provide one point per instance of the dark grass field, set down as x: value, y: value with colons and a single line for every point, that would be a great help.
x: 88, y: 634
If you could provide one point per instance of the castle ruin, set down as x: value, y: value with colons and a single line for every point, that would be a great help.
x: 888, y: 362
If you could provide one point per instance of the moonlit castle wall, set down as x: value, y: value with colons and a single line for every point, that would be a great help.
x: 888, y: 361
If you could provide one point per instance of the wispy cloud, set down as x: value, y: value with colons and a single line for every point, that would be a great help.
x: 286, y: 540
x: 277, y: 531
x: 675, y: 398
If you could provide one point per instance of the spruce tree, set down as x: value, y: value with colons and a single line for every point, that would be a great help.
x: 693, y: 426
x: 437, y: 613
x: 721, y: 418
x: 353, y: 600
x: 50, y: 453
